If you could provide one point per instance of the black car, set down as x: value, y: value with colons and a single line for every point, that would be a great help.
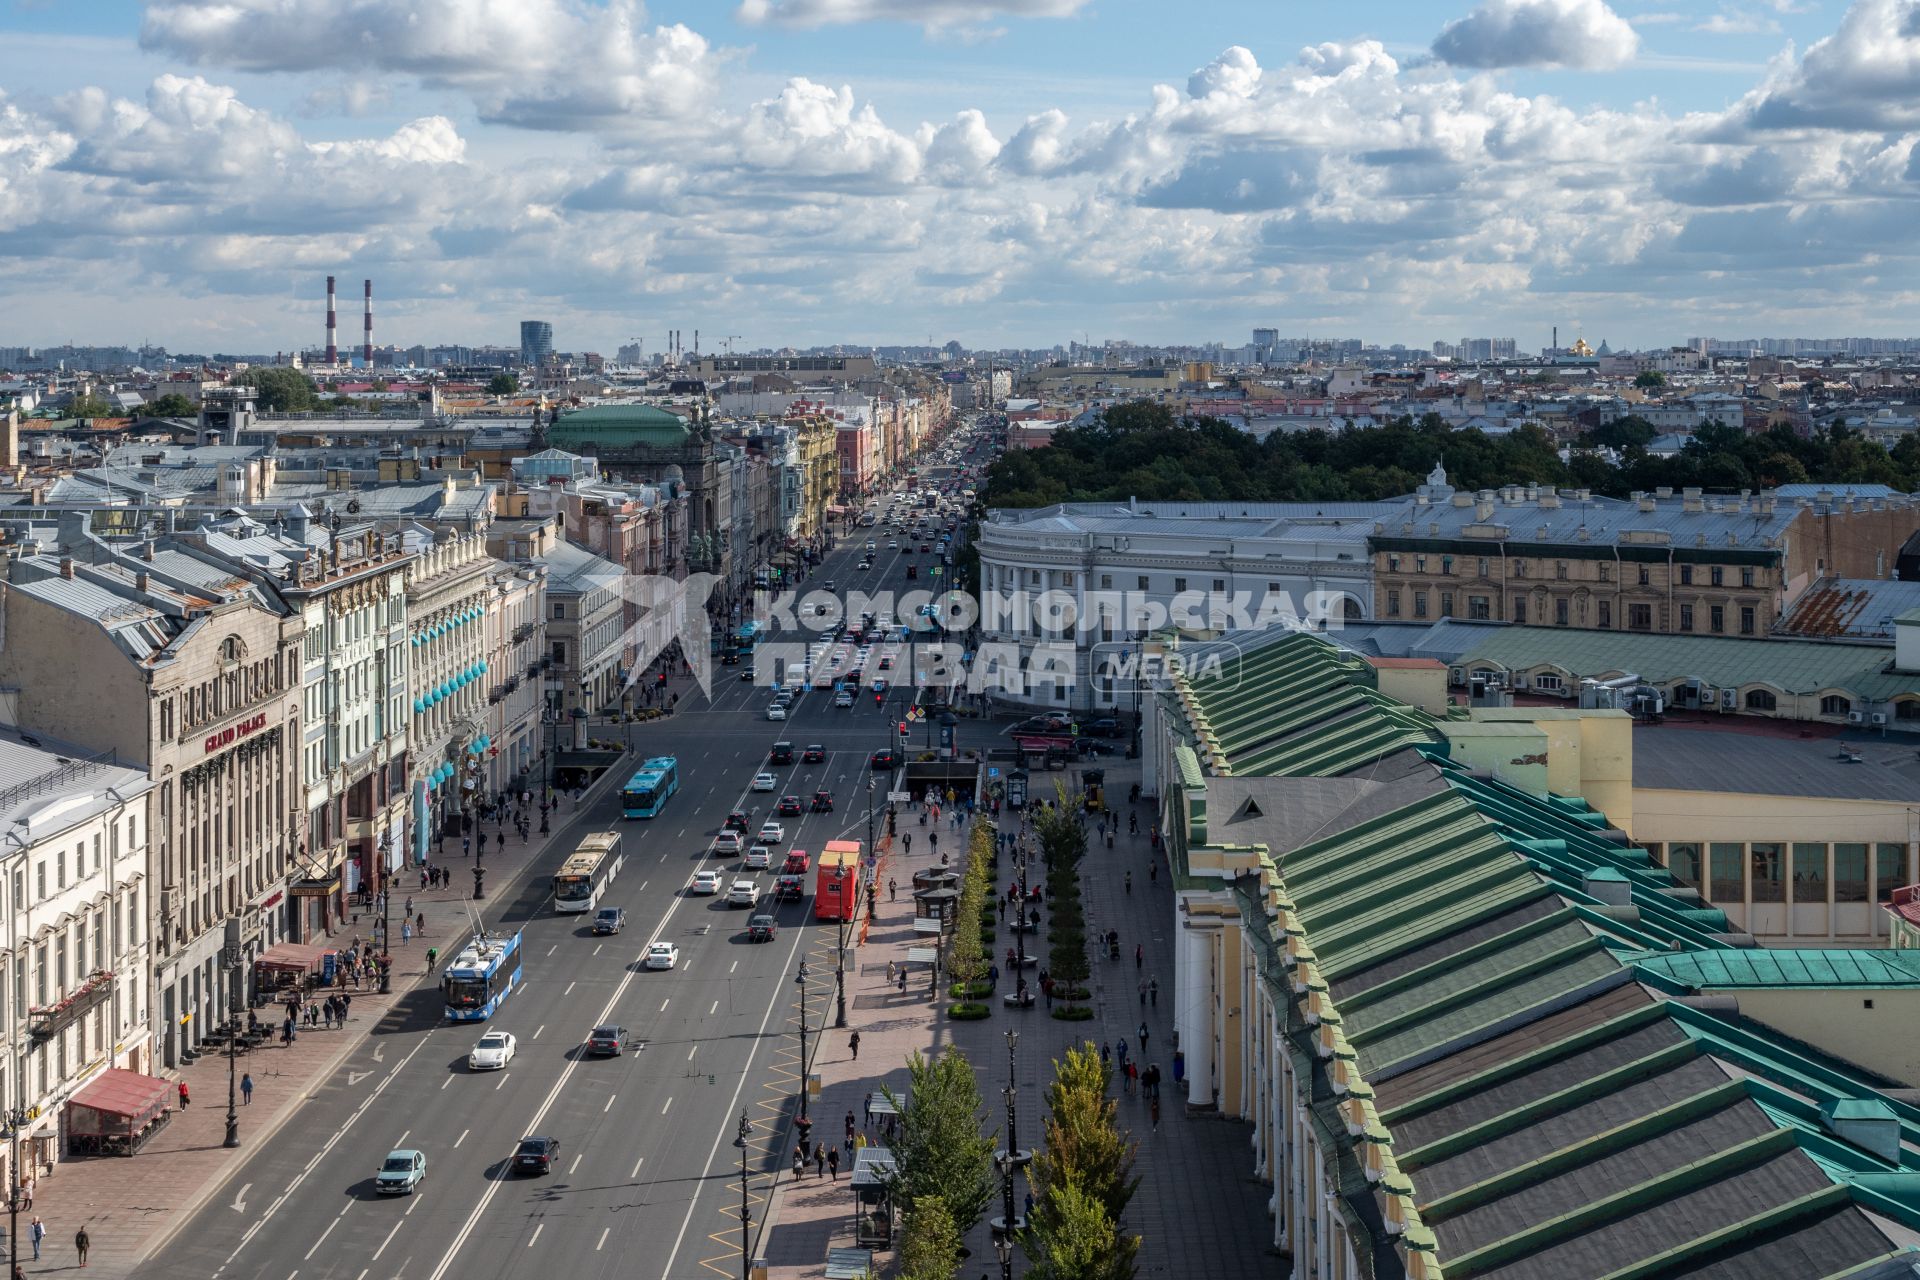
x: 536, y: 1155
x: 761, y: 928
x: 814, y: 754
x: 739, y: 820
x: 608, y: 920
x: 606, y: 1041
x: 1103, y: 728
x: 1041, y: 724
x: 782, y: 753
x: 1094, y: 747
x: 886, y: 760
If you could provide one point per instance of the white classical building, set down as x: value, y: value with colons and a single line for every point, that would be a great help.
x: 1076, y: 586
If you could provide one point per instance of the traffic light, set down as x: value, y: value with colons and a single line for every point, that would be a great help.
x: 903, y: 731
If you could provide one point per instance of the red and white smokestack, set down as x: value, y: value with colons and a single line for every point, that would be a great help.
x: 366, y: 339
x: 333, y: 327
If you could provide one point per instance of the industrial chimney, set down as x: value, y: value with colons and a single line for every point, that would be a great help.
x: 333, y: 325
x: 366, y: 340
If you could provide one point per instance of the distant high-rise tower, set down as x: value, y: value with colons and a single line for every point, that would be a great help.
x: 536, y: 343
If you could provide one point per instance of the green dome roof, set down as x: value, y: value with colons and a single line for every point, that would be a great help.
x: 619, y: 424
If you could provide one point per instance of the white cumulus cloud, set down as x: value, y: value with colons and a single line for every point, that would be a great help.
x: 1866, y: 75
x: 1539, y: 33
x: 934, y: 15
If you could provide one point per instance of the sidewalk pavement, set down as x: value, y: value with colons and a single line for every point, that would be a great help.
x: 1198, y: 1209
x: 131, y: 1207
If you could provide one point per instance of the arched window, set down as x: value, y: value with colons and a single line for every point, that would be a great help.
x: 1835, y: 705
x: 1761, y: 700
x: 1907, y: 709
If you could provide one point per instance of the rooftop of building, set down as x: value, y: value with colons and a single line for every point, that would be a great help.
x: 47, y: 787
x: 1853, y: 608
x: 1693, y: 971
x: 615, y: 425
x: 1691, y: 759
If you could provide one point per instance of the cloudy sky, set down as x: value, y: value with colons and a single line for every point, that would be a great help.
x: 1003, y: 172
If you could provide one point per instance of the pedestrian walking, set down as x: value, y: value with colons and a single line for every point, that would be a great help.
x: 329, y: 1014
x: 81, y: 1244
x: 819, y: 1160
x: 853, y: 1043
x: 420, y: 923
x: 1139, y: 954
x: 406, y: 932
x: 799, y: 1163
x: 1129, y: 882
x: 1122, y: 1047
x: 185, y: 1097
x: 1143, y: 993
x: 1106, y: 1053
x: 1126, y: 1079
x: 1143, y: 1037
x: 246, y: 1088
x: 1153, y: 992
x: 903, y: 980
x: 869, y: 1106
x: 1110, y: 845
x: 893, y: 886
x: 833, y: 1163
x: 38, y: 1232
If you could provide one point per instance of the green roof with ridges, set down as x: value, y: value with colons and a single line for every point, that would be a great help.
x: 619, y: 424
x: 1784, y: 967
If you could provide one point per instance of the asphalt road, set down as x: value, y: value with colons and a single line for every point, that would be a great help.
x: 647, y: 1182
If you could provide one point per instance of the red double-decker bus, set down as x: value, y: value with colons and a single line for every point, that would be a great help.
x: 836, y: 885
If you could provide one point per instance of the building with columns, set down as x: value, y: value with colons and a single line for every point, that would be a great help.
x: 448, y: 594
x: 1419, y: 955
x: 515, y: 635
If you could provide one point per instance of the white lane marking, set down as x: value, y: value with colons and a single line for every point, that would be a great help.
x: 322, y: 1240
x: 636, y: 1168
x: 733, y: 966
x: 446, y: 1082
x: 596, y: 947
x: 644, y: 884
x: 536, y: 1234
x: 575, y: 1164
x: 665, y: 1105
x: 503, y: 1082
x: 401, y: 1141
x: 389, y: 1240
x: 665, y: 1003
x: 663, y: 857
x: 462, y: 1138
x: 609, y: 1106
x: 691, y: 1052
x: 604, y: 1233
x: 568, y: 991
x: 714, y: 1010
x: 543, y: 1027
x: 555, y: 947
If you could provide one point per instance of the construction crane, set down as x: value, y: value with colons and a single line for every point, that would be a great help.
x: 728, y: 339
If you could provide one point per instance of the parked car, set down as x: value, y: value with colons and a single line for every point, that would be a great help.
x: 1106, y: 727
x: 400, y: 1173
x: 536, y: 1155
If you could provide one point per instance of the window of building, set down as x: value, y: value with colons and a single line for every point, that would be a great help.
x: 1179, y: 585
x: 1419, y: 564
x: 1446, y: 604
x: 1141, y: 580
x: 1560, y: 611
x: 1419, y: 604
x: 1716, y: 619
x: 1686, y: 617
x: 1219, y: 584
x: 1066, y: 579
x: 1683, y: 860
x: 1768, y: 860
x: 1479, y: 607
x: 1889, y: 869
x: 559, y: 610
x: 560, y: 653
x: 1519, y: 568
x: 42, y: 976
x: 1393, y: 563
x: 1835, y: 705
x: 1717, y: 575
x: 1605, y: 571
x: 1560, y: 570
x: 60, y: 865
x: 1810, y: 873
x: 1747, y: 620
x: 1106, y: 582
x: 1849, y: 873
x: 1640, y: 617
x: 1645, y: 577
x: 1483, y: 566
x: 1761, y: 700
x: 1908, y: 709
x: 1446, y: 566
x: 1547, y: 681
x: 1606, y: 614
x: 1686, y: 575
x: 1746, y: 577
x: 1393, y: 605
x: 1520, y: 609
x: 1726, y: 883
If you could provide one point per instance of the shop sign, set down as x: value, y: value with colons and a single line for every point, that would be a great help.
x: 234, y: 732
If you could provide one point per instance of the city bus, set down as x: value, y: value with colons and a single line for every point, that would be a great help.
x: 586, y: 873
x: 648, y: 790
x: 484, y: 974
x: 749, y: 634
x: 836, y: 886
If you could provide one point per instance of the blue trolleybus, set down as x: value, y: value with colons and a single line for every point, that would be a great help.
x: 647, y: 791
x: 484, y: 974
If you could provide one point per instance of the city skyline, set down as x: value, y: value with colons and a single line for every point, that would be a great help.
x: 1001, y: 172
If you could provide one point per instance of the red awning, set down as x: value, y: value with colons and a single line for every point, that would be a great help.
x: 117, y: 1101
x: 298, y: 956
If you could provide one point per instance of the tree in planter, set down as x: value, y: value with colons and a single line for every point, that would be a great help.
x: 929, y: 1241
x: 941, y: 1150
x: 1084, y: 1143
x: 1079, y: 1242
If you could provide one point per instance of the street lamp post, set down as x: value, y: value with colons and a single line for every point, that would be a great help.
x: 1011, y: 1159
x: 386, y: 925
x: 746, y: 1214
x: 16, y: 1120
x: 804, y: 1124
x: 230, y: 960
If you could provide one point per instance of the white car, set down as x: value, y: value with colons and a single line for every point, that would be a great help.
x: 776, y: 712
x: 706, y: 882
x: 727, y: 842
x: 870, y: 545
x: 662, y: 955
x: 893, y: 544
x: 759, y: 857
x: 843, y: 699
x: 770, y: 833
x: 764, y: 782
x: 493, y: 1053
x: 743, y: 893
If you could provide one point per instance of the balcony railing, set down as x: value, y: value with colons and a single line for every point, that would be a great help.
x: 47, y: 1021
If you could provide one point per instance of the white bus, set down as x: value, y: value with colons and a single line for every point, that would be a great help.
x: 587, y: 872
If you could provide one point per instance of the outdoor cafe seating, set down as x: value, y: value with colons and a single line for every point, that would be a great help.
x: 118, y: 1113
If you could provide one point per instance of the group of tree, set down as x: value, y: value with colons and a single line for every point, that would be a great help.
x: 1143, y: 450
x: 502, y: 384
x: 1063, y: 843
x: 1082, y: 1178
x: 944, y: 1179
x: 278, y: 389
x: 973, y: 928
